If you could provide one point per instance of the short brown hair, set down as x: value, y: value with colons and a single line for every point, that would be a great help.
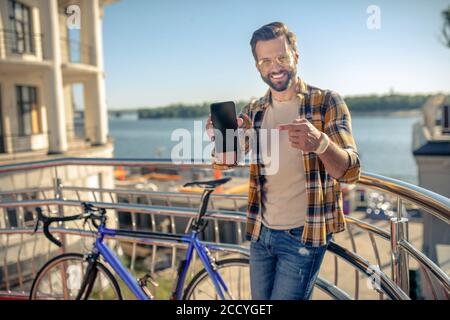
x: 271, y: 31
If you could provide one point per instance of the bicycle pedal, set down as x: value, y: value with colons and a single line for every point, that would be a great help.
x: 148, y: 278
x: 143, y: 283
x: 147, y: 291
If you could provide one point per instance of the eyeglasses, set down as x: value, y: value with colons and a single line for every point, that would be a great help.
x: 284, y: 60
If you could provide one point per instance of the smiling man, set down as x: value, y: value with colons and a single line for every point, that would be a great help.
x: 292, y: 213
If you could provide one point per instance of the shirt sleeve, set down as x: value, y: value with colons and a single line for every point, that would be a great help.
x: 338, y: 127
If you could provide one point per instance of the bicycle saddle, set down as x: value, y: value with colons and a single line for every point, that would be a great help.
x: 208, y: 184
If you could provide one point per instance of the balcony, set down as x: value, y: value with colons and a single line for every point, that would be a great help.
x: 375, y: 258
x: 29, y: 47
x: 25, y: 45
x: 73, y: 51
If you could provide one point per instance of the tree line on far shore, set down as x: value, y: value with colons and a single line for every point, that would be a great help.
x: 357, y: 104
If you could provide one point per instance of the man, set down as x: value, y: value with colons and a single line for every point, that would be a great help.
x: 293, y: 212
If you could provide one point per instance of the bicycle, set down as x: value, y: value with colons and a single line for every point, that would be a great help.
x: 80, y: 277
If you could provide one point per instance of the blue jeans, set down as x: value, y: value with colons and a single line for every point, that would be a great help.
x: 282, y: 267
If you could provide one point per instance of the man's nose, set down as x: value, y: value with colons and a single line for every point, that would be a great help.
x: 276, y: 67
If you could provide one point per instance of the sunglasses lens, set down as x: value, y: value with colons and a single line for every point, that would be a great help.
x: 283, y: 60
x: 265, y: 64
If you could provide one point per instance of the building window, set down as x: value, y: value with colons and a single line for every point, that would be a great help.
x: 20, y: 27
x: 29, y: 116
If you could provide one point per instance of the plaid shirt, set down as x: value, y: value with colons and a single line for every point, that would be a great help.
x: 327, y: 111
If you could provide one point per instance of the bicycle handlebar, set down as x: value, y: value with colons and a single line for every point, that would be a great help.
x: 89, y: 213
x: 93, y: 213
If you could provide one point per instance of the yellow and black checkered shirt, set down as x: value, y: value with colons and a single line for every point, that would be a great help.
x: 327, y: 111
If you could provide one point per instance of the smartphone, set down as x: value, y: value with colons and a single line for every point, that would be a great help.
x: 223, y: 117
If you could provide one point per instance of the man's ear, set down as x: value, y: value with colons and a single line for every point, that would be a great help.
x: 296, y: 56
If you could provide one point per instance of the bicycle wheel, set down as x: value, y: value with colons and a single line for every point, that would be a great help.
x: 61, y: 277
x: 234, y: 272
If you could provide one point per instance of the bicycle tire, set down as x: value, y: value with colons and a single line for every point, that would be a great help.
x: 221, y: 265
x: 49, y: 266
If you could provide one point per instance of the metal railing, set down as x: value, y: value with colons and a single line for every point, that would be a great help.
x: 176, y: 208
x: 72, y: 51
x: 387, y: 286
x: 21, y: 42
x: 75, y: 51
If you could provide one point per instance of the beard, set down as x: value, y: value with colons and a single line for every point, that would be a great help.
x: 280, y: 85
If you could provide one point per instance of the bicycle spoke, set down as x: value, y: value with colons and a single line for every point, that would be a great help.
x: 101, y: 286
x: 64, y: 281
x: 204, y: 292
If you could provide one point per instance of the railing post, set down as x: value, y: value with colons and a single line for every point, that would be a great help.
x: 59, y: 196
x: 399, y: 257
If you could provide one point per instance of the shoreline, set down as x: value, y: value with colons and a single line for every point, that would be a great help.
x: 378, y: 113
x: 398, y: 113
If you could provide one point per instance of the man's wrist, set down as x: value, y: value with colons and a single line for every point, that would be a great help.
x: 323, y: 145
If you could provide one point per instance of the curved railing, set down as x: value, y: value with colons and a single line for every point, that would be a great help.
x: 387, y: 286
x: 436, y: 204
x: 166, y: 204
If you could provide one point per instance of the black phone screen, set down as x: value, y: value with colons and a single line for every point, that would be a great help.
x: 223, y: 116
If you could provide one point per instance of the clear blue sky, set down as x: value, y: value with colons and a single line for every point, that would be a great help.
x: 162, y: 52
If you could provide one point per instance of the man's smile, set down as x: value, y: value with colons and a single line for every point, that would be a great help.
x: 278, y: 76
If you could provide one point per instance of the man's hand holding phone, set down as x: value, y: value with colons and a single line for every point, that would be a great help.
x: 210, y: 129
x: 223, y: 120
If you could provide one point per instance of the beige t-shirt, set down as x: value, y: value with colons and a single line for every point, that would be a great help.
x: 284, y: 202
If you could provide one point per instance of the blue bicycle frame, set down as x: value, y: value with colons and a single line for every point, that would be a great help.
x: 193, y: 244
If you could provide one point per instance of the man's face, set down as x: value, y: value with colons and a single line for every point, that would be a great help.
x: 276, y: 63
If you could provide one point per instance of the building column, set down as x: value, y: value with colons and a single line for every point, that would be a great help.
x: 3, y: 36
x: 8, y: 110
x: 56, y: 119
x: 68, y: 103
x: 96, y: 114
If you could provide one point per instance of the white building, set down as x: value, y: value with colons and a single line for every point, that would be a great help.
x: 40, y: 62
